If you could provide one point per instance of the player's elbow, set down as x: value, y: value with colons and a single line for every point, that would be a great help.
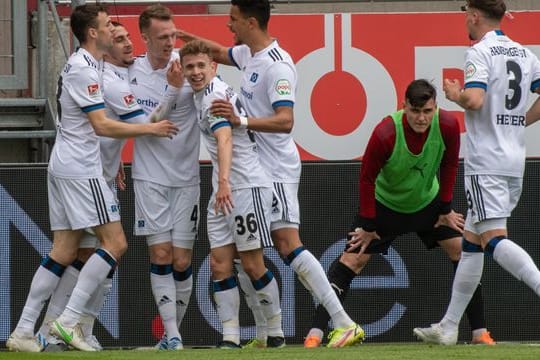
x: 100, y: 130
x: 473, y: 104
x: 287, y: 125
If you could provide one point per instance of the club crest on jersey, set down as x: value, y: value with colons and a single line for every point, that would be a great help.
x: 254, y: 77
x: 283, y: 87
x: 129, y: 100
x: 93, y: 90
x: 470, y: 70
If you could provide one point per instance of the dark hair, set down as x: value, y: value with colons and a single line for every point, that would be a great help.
x: 419, y: 92
x: 195, y: 47
x: 492, y: 9
x: 84, y: 17
x: 258, y: 9
x: 156, y: 11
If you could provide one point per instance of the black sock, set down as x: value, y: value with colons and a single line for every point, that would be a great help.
x: 340, y: 278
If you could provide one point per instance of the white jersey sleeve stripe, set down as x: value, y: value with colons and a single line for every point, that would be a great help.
x: 93, y: 107
x: 132, y: 114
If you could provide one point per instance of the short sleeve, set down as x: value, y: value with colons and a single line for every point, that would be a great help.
x: 84, y: 85
x: 281, y: 82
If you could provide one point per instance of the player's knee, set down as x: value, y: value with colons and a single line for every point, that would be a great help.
x: 182, y: 263
x: 452, y: 248
x: 220, y: 267
x: 63, y: 256
x: 286, y: 241
x: 161, y: 254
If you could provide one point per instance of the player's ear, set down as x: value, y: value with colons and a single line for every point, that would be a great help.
x: 144, y: 37
x: 92, y: 32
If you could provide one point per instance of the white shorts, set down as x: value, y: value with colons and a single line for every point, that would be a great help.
x: 80, y: 203
x: 164, y: 213
x: 247, y: 226
x: 490, y: 197
x: 89, y: 239
x: 285, y: 207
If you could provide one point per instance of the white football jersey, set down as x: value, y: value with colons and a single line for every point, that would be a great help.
x: 121, y: 105
x: 170, y: 162
x: 75, y: 153
x: 268, y: 81
x: 246, y: 169
x: 495, y: 137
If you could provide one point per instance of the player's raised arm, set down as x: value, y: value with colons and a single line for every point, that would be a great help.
x: 220, y: 53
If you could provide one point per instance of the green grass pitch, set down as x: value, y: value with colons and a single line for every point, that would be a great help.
x: 297, y: 352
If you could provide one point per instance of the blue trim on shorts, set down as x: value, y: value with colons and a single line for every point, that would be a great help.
x: 467, y: 246
x: 263, y: 281
x: 182, y: 275
x: 290, y: 258
x: 51, y: 265
x: 490, y: 247
x: 225, y: 284
x: 161, y: 269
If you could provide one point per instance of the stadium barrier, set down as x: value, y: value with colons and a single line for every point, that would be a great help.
x: 407, y: 288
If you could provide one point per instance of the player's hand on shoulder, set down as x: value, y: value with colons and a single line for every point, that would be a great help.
x: 223, y: 108
x: 164, y: 128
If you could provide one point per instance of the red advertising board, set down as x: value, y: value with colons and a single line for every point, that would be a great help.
x: 353, y: 68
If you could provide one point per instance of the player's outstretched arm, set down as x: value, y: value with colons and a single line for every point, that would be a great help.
x: 281, y: 121
x: 220, y: 53
x: 103, y: 126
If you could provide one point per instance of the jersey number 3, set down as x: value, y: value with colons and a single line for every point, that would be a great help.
x: 513, y: 84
